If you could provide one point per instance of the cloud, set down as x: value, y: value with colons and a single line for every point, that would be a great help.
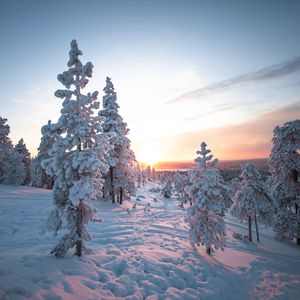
x: 271, y: 72
x: 20, y: 101
x: 214, y: 110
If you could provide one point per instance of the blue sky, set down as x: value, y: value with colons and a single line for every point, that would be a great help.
x: 155, y: 52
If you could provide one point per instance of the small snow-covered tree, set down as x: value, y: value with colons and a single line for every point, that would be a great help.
x: 22, y: 150
x: 38, y: 174
x: 148, y: 172
x: 12, y: 167
x: 124, y: 175
x: 210, y: 196
x: 253, y: 200
x: 234, y: 185
x: 284, y: 165
x: 77, y: 158
x: 139, y: 175
x: 121, y: 159
x: 154, y: 174
x: 178, y: 183
x: 167, y: 189
x: 181, y: 182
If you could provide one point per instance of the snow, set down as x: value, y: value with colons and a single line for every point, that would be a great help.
x: 137, y: 253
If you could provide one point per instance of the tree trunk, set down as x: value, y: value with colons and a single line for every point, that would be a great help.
x: 52, y: 184
x: 79, y: 228
x: 256, y: 228
x: 121, y: 195
x: 208, y: 250
x: 296, y: 205
x: 113, y: 200
x: 250, y: 228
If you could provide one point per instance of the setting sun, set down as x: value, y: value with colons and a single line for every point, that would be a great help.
x: 149, y: 154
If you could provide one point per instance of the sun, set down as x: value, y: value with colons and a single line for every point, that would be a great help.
x: 149, y: 154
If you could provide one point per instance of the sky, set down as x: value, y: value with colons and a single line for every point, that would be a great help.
x: 224, y: 72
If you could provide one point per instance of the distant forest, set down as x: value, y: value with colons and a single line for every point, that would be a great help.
x: 262, y: 164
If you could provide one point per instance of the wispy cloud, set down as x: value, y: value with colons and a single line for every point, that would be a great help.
x: 220, y: 108
x: 20, y: 101
x: 271, y: 72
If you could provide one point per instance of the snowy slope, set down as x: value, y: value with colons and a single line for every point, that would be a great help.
x: 141, y: 254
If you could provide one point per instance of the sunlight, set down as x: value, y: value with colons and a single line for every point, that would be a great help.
x: 149, y: 154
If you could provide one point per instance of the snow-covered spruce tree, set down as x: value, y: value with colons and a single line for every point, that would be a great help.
x: 211, y: 199
x: 192, y: 177
x: 77, y: 158
x: 181, y: 182
x: 5, y: 146
x: 121, y: 159
x: 284, y: 165
x: 124, y: 175
x: 253, y: 200
x: 4, y: 131
x: 14, y: 169
x: 39, y: 177
x: 26, y: 159
x: 234, y: 185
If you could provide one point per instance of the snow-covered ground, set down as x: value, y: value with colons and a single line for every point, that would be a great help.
x: 141, y: 254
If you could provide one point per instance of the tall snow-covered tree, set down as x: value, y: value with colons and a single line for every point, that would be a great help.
x: 26, y: 159
x: 77, y: 158
x: 253, y: 200
x: 211, y: 199
x: 284, y: 165
x: 121, y: 160
x: 38, y: 174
